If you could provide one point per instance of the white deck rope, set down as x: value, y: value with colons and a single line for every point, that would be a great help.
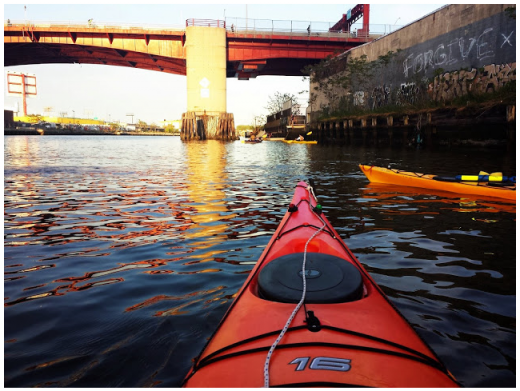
x: 298, y: 306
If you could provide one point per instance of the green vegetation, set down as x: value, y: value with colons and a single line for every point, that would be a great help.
x: 333, y: 76
x: 241, y: 128
x: 275, y: 103
x: 505, y: 95
x: 343, y: 82
x: 170, y: 129
x: 115, y: 127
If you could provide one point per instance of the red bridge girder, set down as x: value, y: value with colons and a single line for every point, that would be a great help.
x: 354, y: 14
x: 249, y: 54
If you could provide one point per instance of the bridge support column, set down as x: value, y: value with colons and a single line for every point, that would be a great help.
x: 207, y: 116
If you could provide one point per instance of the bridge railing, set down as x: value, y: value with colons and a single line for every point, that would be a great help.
x: 298, y: 27
x: 236, y: 25
x: 92, y: 24
x: 205, y: 23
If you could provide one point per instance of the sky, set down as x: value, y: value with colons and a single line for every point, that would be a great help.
x: 110, y: 93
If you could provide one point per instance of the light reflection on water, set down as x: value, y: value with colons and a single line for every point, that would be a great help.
x: 122, y: 254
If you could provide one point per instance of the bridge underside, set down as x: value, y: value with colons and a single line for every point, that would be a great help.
x: 248, y: 55
x: 272, y: 67
x: 35, y: 53
x: 48, y: 53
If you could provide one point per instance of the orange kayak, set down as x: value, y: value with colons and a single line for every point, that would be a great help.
x: 309, y: 315
x: 300, y: 142
x: 413, y: 179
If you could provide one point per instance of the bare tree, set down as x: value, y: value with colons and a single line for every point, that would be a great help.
x: 258, y: 123
x: 275, y: 103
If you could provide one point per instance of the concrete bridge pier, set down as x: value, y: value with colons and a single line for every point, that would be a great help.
x: 206, y: 61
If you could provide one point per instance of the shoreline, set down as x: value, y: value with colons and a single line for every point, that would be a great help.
x: 55, y: 132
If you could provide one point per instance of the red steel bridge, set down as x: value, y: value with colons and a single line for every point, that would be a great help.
x: 257, y: 48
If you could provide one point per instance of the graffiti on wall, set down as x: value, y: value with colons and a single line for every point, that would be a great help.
x: 480, y: 47
x: 359, y: 98
x: 443, y: 87
x: 477, y: 58
x: 380, y: 96
x: 407, y: 93
x: 484, y: 80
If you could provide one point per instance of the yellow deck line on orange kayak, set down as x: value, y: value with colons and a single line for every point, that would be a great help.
x: 425, y: 181
x: 299, y: 142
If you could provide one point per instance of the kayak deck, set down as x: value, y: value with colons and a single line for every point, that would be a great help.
x: 358, y: 339
x: 300, y: 142
x: 426, y: 181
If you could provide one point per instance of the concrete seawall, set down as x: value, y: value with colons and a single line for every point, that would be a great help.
x: 460, y: 28
x: 459, y: 49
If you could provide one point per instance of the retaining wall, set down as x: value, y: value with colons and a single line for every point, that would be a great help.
x: 457, y: 49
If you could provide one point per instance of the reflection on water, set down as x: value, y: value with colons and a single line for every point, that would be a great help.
x: 379, y: 193
x: 122, y: 254
x: 206, y: 179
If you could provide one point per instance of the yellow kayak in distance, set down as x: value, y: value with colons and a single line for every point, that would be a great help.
x: 300, y: 142
x: 425, y: 181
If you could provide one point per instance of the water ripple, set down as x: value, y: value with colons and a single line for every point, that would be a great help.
x: 122, y: 254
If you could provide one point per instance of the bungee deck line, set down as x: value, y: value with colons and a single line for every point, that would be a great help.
x: 453, y: 184
x: 302, y: 300
x: 498, y: 177
x: 363, y: 327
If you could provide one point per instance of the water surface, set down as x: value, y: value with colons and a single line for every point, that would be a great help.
x: 123, y: 253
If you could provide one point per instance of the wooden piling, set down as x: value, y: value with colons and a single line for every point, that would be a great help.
x: 219, y: 126
x: 510, y: 113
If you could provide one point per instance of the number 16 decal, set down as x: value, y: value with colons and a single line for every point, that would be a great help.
x: 324, y: 363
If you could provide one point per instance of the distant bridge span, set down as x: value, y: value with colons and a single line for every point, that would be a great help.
x: 250, y: 53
